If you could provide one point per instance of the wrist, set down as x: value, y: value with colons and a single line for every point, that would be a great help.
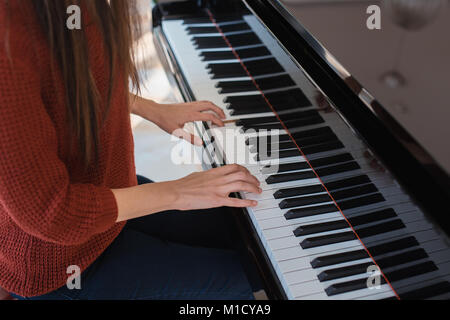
x: 144, y: 108
x: 174, y: 192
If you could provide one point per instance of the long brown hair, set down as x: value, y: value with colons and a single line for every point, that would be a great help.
x: 69, y: 47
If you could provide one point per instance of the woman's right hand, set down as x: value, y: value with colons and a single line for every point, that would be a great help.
x: 211, y: 189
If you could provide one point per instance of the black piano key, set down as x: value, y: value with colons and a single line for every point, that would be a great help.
x: 248, y: 100
x: 360, y: 201
x: 347, y: 271
x: 256, y: 121
x: 360, y: 268
x: 304, y: 201
x: 411, y: 271
x: 328, y: 146
x: 347, y: 286
x: 396, y: 245
x: 306, y: 230
x: 340, y: 168
x: 380, y: 228
x: 294, y: 176
x: 201, y: 30
x: 277, y: 82
x: 235, y: 86
x: 280, y: 155
x: 285, y: 167
x: 263, y: 66
x: 251, y: 110
x: 302, y: 143
x: 310, y: 211
x: 349, y: 182
x: 328, y: 239
x: 427, y: 292
x: 354, y: 192
x: 344, y: 157
x: 217, y: 55
x: 350, y: 235
x: 302, y: 121
x: 402, y: 258
x: 315, y: 140
x: 254, y: 67
x: 245, y: 112
x: 254, y: 52
x: 224, y: 66
x: 339, y: 258
x: 312, y: 133
x: 280, y: 100
x: 341, y: 224
x: 235, y: 27
x: 375, y: 251
x: 291, y: 98
x: 298, y: 191
x: 209, y: 42
x: 226, y: 70
x: 372, y: 217
x: 243, y: 39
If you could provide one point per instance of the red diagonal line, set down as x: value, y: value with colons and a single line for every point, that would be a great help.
x: 213, y: 20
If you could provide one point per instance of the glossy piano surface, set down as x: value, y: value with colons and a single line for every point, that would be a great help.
x: 328, y: 212
x: 405, y: 64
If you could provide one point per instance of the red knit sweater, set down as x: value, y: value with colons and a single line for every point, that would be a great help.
x: 52, y: 215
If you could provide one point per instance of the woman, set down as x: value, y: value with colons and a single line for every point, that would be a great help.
x: 67, y: 177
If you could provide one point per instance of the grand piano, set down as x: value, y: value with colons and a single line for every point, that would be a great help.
x: 353, y: 206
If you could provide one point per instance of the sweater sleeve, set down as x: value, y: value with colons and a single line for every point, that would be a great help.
x: 35, y: 189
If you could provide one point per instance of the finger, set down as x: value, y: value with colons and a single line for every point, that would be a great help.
x: 241, y: 186
x: 224, y: 170
x: 240, y: 176
x: 211, y: 117
x: 182, y: 134
x: 239, y: 203
x: 209, y: 106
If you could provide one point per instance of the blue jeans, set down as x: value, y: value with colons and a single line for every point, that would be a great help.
x: 168, y: 255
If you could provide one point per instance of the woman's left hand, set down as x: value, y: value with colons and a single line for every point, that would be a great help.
x: 172, y: 117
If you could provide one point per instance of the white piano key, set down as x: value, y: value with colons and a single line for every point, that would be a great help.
x: 282, y: 243
x: 301, y: 276
x: 306, y: 288
x: 295, y: 264
x: 366, y: 293
x: 314, y: 296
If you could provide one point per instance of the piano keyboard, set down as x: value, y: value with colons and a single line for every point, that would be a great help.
x: 325, y: 216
